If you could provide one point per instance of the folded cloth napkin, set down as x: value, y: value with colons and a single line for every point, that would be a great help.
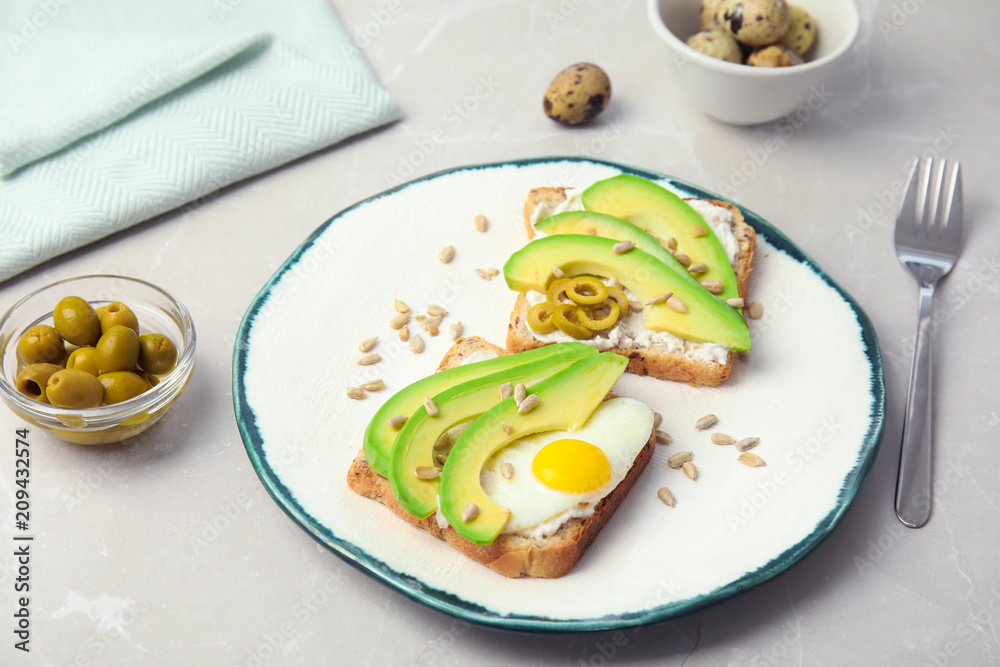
x: 113, y: 112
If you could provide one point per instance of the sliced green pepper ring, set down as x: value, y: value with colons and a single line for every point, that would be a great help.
x: 620, y: 299
x: 565, y: 318
x: 601, y: 316
x: 556, y: 289
x: 586, y: 290
x: 540, y: 317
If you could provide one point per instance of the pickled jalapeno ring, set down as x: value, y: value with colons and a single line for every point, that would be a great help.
x: 540, y: 317
x: 565, y: 318
x: 586, y: 290
x: 556, y: 290
x: 601, y: 316
x: 620, y: 298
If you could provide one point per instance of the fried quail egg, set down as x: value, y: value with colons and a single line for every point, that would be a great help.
x: 549, y: 478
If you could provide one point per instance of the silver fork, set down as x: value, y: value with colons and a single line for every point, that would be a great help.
x: 928, y: 242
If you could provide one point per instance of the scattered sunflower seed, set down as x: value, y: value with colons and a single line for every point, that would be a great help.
x: 400, y: 306
x: 369, y: 359
x: 506, y: 470
x: 636, y: 306
x: 528, y: 404
x: 436, y: 310
x: 756, y: 310
x: 735, y: 303
x: 684, y: 260
x: 431, y: 407
x: 557, y: 272
x: 613, y: 282
x: 723, y: 439
x: 622, y: 247
x: 690, y: 470
x: 470, y: 512
x: 432, y: 330
x: 367, y: 344
x: 659, y: 298
x: 667, y: 496
x: 751, y: 459
x: 590, y: 231
x: 505, y: 391
x: 482, y: 224
x: 747, y: 443
x: 416, y: 344
x: 679, y: 459
x: 455, y: 330
x: 399, y: 321
x: 520, y: 391
x: 713, y: 286
x: 484, y: 274
x: 373, y: 385
x: 705, y: 422
x: 404, y: 334
x: 672, y: 243
x: 507, y: 428
x: 355, y: 393
x: 426, y: 472
x: 698, y: 231
x: 657, y: 419
x: 447, y: 254
x: 698, y: 267
x: 493, y: 273
x: 676, y: 304
x: 396, y: 422
x: 420, y: 318
x: 663, y: 437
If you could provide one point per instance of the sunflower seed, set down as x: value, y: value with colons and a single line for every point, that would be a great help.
x: 698, y: 231
x: 432, y: 330
x: 369, y: 359
x: 506, y: 470
x: 400, y: 306
x: 690, y: 470
x: 723, y: 439
x: 636, y: 306
x: 557, y: 272
x: 470, y: 512
x: 399, y: 321
x: 455, y: 330
x: 659, y: 298
x: 416, y: 344
x: 404, y: 334
x: 706, y: 421
x: 676, y: 304
x: 367, y: 344
x: 747, y: 443
x: 672, y: 243
x: 396, y: 422
x: 663, y: 437
x: 373, y: 385
x: 519, y: 393
x: 447, y: 254
x: 493, y: 272
x: 613, y: 282
x: 426, y: 472
x: 355, y: 393
x: 482, y: 224
x: 698, y: 267
x: 431, y: 407
x: 505, y: 391
x: 667, y: 496
x: 507, y: 428
x: 713, y: 286
x: 528, y: 404
x: 420, y: 318
x: 590, y: 231
x: 751, y: 459
x: 482, y: 273
x: 679, y: 459
x: 657, y: 419
x: 735, y: 303
x: 756, y: 310
x: 684, y: 260
x: 622, y: 247
x: 436, y: 311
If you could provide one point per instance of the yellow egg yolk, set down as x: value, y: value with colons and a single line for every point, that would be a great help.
x: 572, y: 465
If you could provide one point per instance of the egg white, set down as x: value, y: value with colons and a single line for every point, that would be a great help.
x: 620, y: 427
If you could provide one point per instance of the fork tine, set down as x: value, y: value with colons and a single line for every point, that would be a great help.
x: 934, y: 208
x: 953, y: 222
x: 907, y: 220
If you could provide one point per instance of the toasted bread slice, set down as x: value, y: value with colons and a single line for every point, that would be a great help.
x: 511, y: 555
x: 653, y: 360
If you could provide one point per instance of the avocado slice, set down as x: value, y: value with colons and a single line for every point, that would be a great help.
x: 379, y: 436
x: 707, y: 319
x: 565, y: 402
x: 414, y: 446
x: 655, y: 209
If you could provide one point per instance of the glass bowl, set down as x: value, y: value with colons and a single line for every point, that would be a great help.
x: 156, y: 310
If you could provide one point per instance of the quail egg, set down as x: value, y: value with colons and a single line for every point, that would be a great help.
x: 577, y: 94
x: 755, y: 22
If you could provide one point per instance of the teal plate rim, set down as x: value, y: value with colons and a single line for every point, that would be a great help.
x: 442, y: 600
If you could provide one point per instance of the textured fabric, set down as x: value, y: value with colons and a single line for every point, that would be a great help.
x: 113, y: 112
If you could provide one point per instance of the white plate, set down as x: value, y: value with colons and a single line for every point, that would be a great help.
x: 812, y: 390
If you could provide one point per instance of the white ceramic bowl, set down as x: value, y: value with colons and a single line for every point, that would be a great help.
x: 743, y: 95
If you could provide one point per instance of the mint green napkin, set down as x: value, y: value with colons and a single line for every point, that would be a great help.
x: 113, y: 112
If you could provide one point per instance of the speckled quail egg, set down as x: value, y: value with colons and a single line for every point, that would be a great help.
x: 755, y: 22
x: 801, y: 33
x: 775, y: 55
x: 717, y: 43
x: 708, y: 10
x: 577, y: 94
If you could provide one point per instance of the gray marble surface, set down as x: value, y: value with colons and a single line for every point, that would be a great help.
x: 170, y: 551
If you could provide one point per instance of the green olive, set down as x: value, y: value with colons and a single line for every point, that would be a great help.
x: 157, y: 353
x: 117, y: 313
x: 84, y: 359
x: 41, y: 344
x: 73, y: 388
x: 121, y: 386
x: 32, y: 379
x: 76, y: 321
x: 118, y: 350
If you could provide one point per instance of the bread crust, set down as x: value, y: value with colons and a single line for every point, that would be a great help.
x: 509, y: 555
x: 654, y: 361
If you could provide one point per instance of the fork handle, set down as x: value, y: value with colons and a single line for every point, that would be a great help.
x: 913, y: 484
